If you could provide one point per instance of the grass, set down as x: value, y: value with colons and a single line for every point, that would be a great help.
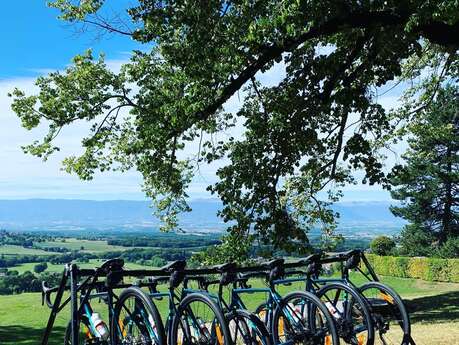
x: 19, y: 250
x: 434, y: 311
x: 87, y: 246
x: 90, y: 246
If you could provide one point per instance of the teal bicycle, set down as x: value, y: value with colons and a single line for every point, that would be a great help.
x: 300, y: 317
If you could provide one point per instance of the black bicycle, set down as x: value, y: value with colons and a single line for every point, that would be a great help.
x: 86, y: 326
x: 390, y: 317
x: 300, y: 317
x: 193, y: 316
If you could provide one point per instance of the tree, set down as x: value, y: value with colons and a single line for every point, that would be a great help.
x: 382, y: 245
x: 427, y: 184
x: 41, y: 267
x: 299, y: 137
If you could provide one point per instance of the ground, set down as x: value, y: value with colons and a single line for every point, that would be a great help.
x: 434, y: 312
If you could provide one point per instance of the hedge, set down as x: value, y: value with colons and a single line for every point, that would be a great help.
x: 431, y: 269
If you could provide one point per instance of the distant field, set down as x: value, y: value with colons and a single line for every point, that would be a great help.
x: 435, y: 313
x: 59, y: 268
x: 19, y: 250
x: 78, y: 244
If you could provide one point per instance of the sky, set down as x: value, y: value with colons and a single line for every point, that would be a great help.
x: 35, y: 42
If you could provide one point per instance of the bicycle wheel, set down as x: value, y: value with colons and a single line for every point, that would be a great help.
x: 199, y: 320
x: 350, y: 311
x: 85, y: 336
x: 136, y: 320
x: 301, y: 318
x: 390, y: 317
x: 247, y: 329
x: 262, y: 313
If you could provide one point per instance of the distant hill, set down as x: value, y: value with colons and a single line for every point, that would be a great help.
x: 67, y: 215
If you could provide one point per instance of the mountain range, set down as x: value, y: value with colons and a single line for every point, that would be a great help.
x: 88, y: 215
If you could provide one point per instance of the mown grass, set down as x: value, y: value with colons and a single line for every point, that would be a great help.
x: 434, y: 311
x: 19, y: 250
x: 92, y: 246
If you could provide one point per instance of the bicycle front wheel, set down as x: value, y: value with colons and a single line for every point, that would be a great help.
x: 390, y: 317
x: 301, y: 318
x: 136, y: 320
x: 199, y: 320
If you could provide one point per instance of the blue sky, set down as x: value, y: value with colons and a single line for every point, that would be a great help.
x: 34, y: 42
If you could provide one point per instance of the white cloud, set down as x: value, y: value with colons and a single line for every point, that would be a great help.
x: 24, y: 176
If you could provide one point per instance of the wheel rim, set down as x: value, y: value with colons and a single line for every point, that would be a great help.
x: 136, y: 324
x: 349, y: 315
x: 388, y: 318
x: 199, y: 325
x: 303, y: 323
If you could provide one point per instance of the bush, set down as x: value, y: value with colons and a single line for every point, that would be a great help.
x: 41, y: 267
x: 382, y: 245
x: 431, y: 269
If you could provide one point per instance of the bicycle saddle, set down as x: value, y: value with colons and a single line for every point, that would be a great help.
x: 227, y: 267
x: 273, y: 263
x: 312, y: 258
x: 112, y: 265
x: 349, y: 253
x: 178, y: 265
x: 353, y: 259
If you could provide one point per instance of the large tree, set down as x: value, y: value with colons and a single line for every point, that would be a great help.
x: 301, y: 136
x: 427, y: 184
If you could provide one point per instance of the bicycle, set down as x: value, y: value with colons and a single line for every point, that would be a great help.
x: 391, y: 319
x: 298, y: 317
x: 245, y: 327
x: 193, y: 316
x: 350, y: 311
x: 85, y: 326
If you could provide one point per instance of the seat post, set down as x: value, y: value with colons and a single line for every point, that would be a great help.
x: 74, y: 303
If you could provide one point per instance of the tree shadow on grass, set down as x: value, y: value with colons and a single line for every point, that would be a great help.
x: 22, y: 335
x: 439, y: 308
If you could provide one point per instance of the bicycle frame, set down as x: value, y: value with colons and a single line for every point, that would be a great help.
x: 273, y: 301
x: 78, y: 306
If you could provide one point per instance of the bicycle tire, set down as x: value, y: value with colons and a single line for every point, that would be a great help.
x: 223, y: 336
x: 379, y: 308
x: 248, y: 321
x: 261, y: 313
x: 343, y: 325
x: 68, y: 334
x: 332, y: 338
x: 150, y: 308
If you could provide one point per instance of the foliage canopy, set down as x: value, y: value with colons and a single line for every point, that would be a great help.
x: 293, y: 139
x: 427, y: 184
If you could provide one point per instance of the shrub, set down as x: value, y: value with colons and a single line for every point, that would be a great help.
x: 41, y: 267
x: 382, y: 245
x: 431, y: 269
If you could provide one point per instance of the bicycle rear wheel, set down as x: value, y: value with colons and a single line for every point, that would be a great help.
x: 350, y: 311
x: 390, y: 317
x: 199, y: 320
x: 136, y: 320
x: 247, y: 329
x: 301, y: 318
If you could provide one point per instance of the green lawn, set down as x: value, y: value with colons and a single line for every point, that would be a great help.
x: 19, y: 250
x: 92, y: 246
x: 434, y: 306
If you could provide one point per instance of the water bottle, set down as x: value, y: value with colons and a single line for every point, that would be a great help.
x: 100, y: 326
